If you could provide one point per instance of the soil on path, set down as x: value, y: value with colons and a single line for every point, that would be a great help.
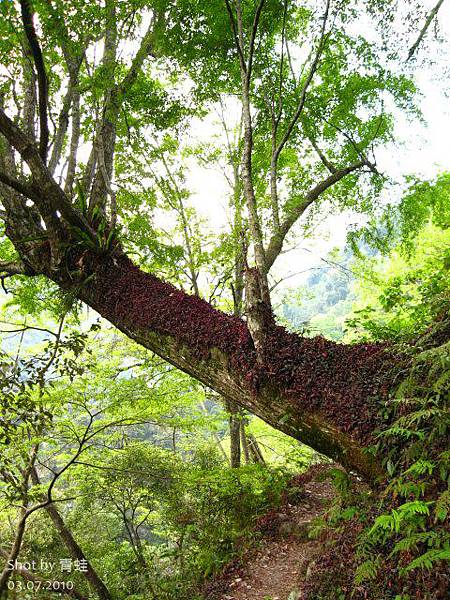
x: 276, y: 569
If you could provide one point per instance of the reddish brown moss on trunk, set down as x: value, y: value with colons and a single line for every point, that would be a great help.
x: 342, y: 383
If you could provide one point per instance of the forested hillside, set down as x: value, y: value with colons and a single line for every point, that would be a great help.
x: 225, y: 329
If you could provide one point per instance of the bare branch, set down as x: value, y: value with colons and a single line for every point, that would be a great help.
x: 276, y: 243
x: 277, y: 147
x: 106, y: 179
x: 328, y: 164
x: 28, y: 86
x: 73, y: 57
x: 24, y: 327
x: 359, y: 152
x: 305, y: 87
x: 290, y: 275
x: 432, y: 14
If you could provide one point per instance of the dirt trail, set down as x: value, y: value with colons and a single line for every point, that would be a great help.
x: 275, y: 571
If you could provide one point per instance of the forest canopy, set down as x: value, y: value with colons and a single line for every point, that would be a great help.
x: 225, y: 299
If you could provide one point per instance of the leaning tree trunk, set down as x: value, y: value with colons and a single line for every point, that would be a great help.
x: 77, y: 553
x: 255, y: 450
x: 325, y: 394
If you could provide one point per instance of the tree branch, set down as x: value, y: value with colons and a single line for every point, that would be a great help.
x: 276, y: 242
x: 27, y: 20
x: 19, y: 186
x: 48, y: 194
x: 145, y: 50
x: 14, y: 267
x: 105, y: 138
x: 283, y: 43
x: 72, y: 94
x: 251, y: 48
x: 234, y: 30
x: 329, y: 165
x: 308, y: 80
x: 74, y: 142
x: 277, y: 147
x: 424, y: 29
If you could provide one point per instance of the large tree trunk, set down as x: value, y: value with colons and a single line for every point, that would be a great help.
x: 322, y: 393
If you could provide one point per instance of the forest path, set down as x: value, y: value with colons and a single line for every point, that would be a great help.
x: 276, y: 569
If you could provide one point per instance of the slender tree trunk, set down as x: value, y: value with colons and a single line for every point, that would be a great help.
x: 73, y: 547
x: 257, y: 293
x: 255, y: 450
x: 15, y: 550
x: 135, y: 541
x: 235, y: 436
x: 24, y: 513
x: 250, y: 444
x: 244, y: 443
x: 77, y: 553
x: 215, y: 436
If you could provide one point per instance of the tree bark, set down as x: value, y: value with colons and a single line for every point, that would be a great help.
x: 319, y: 392
x: 73, y: 547
x: 235, y: 434
x: 324, y: 394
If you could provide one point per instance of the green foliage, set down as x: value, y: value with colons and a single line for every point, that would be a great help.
x: 322, y: 304
x: 403, y: 529
x: 414, y: 510
x: 152, y: 502
x: 403, y: 295
x: 186, y: 513
x: 133, y: 446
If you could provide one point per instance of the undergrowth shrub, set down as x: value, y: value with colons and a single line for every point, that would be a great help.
x: 208, y: 515
x: 396, y: 543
